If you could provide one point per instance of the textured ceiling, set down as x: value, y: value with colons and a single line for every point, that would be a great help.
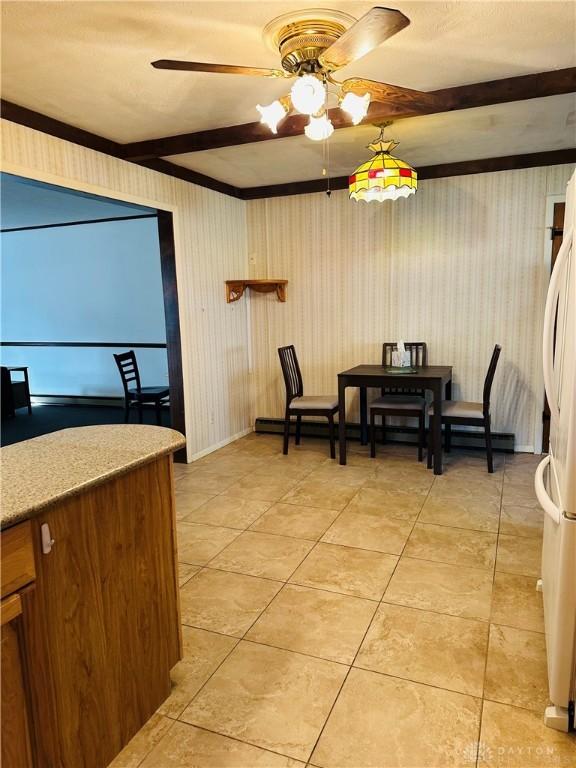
x: 88, y: 64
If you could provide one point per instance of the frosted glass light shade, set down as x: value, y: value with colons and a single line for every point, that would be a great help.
x: 272, y: 114
x: 356, y: 106
x: 319, y: 128
x: 308, y: 95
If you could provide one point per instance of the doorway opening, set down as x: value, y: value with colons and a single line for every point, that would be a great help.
x: 84, y: 277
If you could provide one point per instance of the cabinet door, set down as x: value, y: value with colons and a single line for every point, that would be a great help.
x: 15, y: 729
x: 65, y: 640
x: 102, y: 629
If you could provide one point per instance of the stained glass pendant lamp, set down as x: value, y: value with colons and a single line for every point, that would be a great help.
x: 383, y: 177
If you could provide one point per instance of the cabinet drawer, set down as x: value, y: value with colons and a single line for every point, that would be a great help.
x: 17, y: 557
x: 10, y: 609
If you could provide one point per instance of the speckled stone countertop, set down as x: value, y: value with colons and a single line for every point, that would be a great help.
x: 46, y: 469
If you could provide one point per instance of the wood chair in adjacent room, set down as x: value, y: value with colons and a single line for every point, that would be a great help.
x: 137, y: 395
x: 401, y: 401
x: 298, y: 404
x: 460, y: 412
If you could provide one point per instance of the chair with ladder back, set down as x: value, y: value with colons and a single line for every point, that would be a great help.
x: 468, y: 414
x: 137, y: 395
x: 401, y: 401
x: 298, y: 404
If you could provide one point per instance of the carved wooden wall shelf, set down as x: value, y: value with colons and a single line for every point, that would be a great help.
x: 235, y: 288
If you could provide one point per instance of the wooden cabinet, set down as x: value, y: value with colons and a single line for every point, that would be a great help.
x: 16, y: 752
x: 17, y: 558
x: 101, y: 626
x: 17, y: 572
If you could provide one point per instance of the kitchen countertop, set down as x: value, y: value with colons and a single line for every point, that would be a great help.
x: 36, y: 473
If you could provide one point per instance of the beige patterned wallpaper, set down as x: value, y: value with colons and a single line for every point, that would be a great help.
x: 210, y: 232
x: 460, y: 266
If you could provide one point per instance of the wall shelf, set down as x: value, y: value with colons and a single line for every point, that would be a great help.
x: 235, y: 288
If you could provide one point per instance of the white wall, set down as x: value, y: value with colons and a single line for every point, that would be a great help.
x: 210, y: 234
x: 460, y: 266
x: 89, y: 283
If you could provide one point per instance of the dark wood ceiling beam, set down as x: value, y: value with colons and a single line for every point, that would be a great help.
x: 193, y: 177
x: 58, y: 129
x: 519, y: 88
x: 247, y: 133
x: 39, y: 122
x: 53, y: 127
x: 464, y: 168
x: 491, y: 164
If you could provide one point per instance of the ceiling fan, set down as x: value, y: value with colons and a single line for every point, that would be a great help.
x: 313, y: 44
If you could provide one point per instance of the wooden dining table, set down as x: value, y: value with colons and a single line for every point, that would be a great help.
x: 436, y: 378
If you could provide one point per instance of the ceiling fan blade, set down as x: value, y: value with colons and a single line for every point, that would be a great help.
x: 369, y: 31
x: 224, y: 69
x: 417, y: 101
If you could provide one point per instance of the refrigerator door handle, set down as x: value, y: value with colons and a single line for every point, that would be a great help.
x: 549, y: 321
x: 545, y: 501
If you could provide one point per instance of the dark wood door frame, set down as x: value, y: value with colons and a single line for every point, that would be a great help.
x: 556, y: 233
x: 172, y: 315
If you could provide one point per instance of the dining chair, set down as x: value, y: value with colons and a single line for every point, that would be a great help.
x: 15, y: 394
x: 298, y: 404
x: 460, y: 412
x: 137, y: 395
x: 401, y: 401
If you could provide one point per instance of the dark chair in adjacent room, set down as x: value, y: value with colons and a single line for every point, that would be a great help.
x: 298, y: 404
x: 137, y: 395
x: 401, y: 401
x: 460, y: 412
x: 15, y: 394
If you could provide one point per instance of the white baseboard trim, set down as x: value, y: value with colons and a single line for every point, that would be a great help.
x: 219, y: 445
x: 524, y: 449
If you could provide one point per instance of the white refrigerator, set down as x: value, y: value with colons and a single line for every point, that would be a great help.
x: 555, y: 480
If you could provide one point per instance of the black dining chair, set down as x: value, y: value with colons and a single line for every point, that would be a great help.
x: 460, y: 412
x: 137, y: 395
x: 298, y: 404
x: 401, y: 401
x: 14, y: 394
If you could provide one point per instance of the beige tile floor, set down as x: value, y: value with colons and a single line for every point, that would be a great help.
x: 367, y: 615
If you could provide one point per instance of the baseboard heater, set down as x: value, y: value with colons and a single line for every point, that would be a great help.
x: 96, y: 401
x: 501, y: 441
x: 81, y: 400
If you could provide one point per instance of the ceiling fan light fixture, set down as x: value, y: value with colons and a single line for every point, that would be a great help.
x: 274, y: 113
x: 308, y: 94
x: 356, y: 106
x: 319, y: 128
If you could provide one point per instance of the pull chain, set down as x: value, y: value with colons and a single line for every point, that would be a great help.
x: 326, y: 168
